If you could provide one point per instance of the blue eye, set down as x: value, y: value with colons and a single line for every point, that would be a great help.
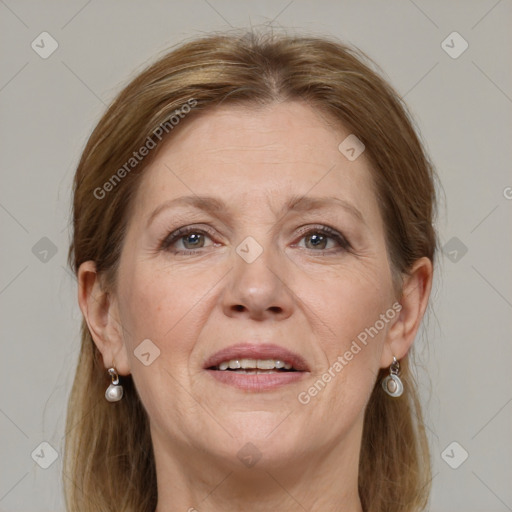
x: 322, y: 238
x: 318, y: 241
x: 191, y: 239
x: 195, y: 240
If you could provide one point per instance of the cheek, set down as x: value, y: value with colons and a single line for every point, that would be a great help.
x: 350, y: 334
x: 156, y: 302
x: 168, y: 307
x: 347, y: 301
x: 158, y: 305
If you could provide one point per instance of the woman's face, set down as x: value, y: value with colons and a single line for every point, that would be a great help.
x: 283, y: 259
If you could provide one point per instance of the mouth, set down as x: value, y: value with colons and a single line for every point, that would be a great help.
x: 256, y: 367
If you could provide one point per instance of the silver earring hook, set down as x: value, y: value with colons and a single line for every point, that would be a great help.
x: 114, y: 375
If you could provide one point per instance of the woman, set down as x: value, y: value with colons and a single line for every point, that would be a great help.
x: 254, y: 246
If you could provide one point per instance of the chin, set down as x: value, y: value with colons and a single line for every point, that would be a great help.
x: 260, y: 438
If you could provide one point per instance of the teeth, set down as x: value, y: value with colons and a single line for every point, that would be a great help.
x: 267, y: 364
x: 253, y: 364
x: 255, y: 372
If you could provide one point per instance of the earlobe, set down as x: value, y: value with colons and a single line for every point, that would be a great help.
x: 101, y: 315
x: 416, y: 288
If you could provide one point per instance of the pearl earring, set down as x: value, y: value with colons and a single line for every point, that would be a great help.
x: 392, y: 384
x: 114, y: 392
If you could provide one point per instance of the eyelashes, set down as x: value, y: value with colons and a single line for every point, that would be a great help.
x: 320, y: 235
x: 325, y: 233
x: 179, y: 235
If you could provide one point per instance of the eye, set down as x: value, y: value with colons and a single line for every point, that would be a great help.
x: 323, y: 238
x: 316, y: 241
x: 186, y: 240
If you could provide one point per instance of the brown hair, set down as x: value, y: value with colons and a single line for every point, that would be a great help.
x: 109, y: 463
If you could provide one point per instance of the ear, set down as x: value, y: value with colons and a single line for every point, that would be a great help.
x: 101, y: 313
x: 416, y: 288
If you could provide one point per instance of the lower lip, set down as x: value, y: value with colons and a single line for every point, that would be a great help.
x: 256, y: 382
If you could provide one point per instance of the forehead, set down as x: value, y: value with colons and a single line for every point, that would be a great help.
x: 245, y: 153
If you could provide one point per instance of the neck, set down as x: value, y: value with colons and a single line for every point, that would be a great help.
x: 324, y: 481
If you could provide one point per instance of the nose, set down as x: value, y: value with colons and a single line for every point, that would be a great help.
x: 259, y: 290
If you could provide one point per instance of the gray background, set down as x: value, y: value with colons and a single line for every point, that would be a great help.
x: 463, y: 110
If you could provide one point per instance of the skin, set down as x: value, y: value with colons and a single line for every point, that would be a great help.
x: 312, y: 299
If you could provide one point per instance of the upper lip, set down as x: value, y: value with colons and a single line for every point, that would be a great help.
x: 257, y: 351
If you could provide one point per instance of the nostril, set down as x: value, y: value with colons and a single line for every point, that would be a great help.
x: 241, y: 308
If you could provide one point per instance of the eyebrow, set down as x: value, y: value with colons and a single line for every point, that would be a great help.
x: 295, y: 203
x: 205, y: 203
x: 307, y: 203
